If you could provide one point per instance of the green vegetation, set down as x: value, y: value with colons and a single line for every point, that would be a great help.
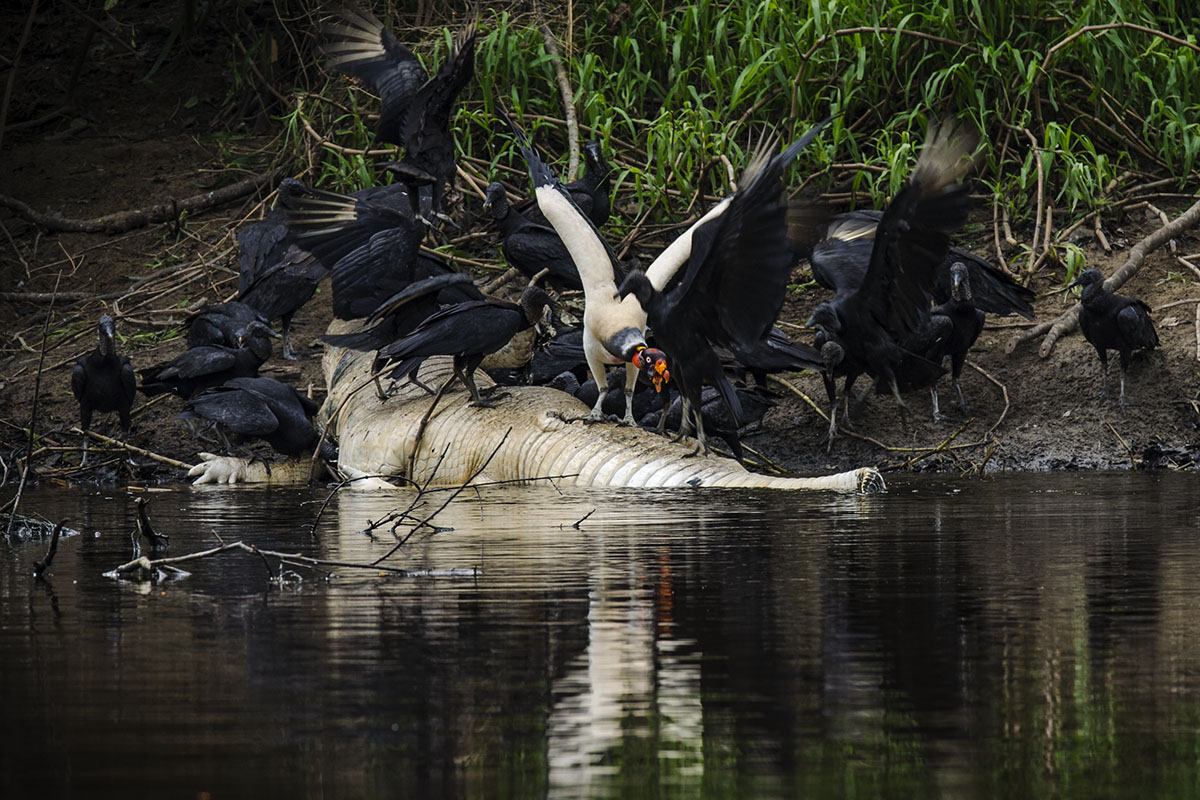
x: 1081, y: 105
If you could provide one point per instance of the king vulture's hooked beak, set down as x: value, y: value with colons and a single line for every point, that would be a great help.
x: 653, y: 362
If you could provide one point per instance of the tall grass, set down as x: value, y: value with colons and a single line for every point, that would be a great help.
x: 671, y: 89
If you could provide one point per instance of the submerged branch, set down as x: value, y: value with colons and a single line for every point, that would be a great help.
x: 145, y: 567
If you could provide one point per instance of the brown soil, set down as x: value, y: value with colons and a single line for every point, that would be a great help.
x: 127, y: 144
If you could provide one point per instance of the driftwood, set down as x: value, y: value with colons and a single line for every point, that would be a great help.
x: 1066, y: 322
x: 123, y: 221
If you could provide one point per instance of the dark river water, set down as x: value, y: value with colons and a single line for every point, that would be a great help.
x: 1018, y: 636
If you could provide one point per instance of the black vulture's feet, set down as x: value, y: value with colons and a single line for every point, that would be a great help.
x: 940, y: 417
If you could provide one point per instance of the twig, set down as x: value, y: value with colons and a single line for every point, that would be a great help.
x: 801, y: 395
x: 1183, y: 260
x: 1124, y: 444
x: 44, y: 564
x: 564, y: 90
x: 37, y: 393
x: 126, y: 220
x: 1107, y: 27
x: 144, y: 564
x: 453, y: 495
x: 1037, y: 217
x: 170, y: 462
x: 940, y: 447
x: 582, y: 519
x: 1003, y: 393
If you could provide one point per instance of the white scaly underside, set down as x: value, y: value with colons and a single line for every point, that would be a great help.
x: 522, y: 437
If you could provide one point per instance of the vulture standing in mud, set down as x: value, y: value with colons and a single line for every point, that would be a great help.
x: 731, y: 288
x: 469, y: 332
x: 869, y: 319
x: 950, y: 331
x: 200, y: 368
x: 1113, y: 322
x: 262, y: 408
x: 103, y: 381
x: 415, y: 107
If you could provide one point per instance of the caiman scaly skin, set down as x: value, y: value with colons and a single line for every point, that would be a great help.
x: 525, y: 437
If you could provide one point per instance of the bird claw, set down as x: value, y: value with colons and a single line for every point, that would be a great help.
x: 490, y: 402
x: 940, y: 417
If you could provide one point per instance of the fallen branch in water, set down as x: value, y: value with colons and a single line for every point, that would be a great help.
x: 126, y: 220
x: 144, y: 569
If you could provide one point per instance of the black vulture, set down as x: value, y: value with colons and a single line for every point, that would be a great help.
x: 469, y: 332
x: 373, y: 248
x: 732, y: 288
x: 103, y: 381
x: 223, y: 323
x: 401, y: 313
x: 200, y: 368
x: 839, y: 263
x: 590, y: 193
x: 275, y: 275
x: 262, y: 408
x: 415, y: 107
x: 949, y: 332
x: 530, y: 246
x: 870, y: 320
x: 835, y: 363
x: 1113, y: 322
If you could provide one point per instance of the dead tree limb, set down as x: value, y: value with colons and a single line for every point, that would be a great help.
x: 123, y: 221
x: 564, y: 89
x: 1066, y: 322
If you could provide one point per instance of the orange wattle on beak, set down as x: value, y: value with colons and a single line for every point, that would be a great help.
x: 661, y: 375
